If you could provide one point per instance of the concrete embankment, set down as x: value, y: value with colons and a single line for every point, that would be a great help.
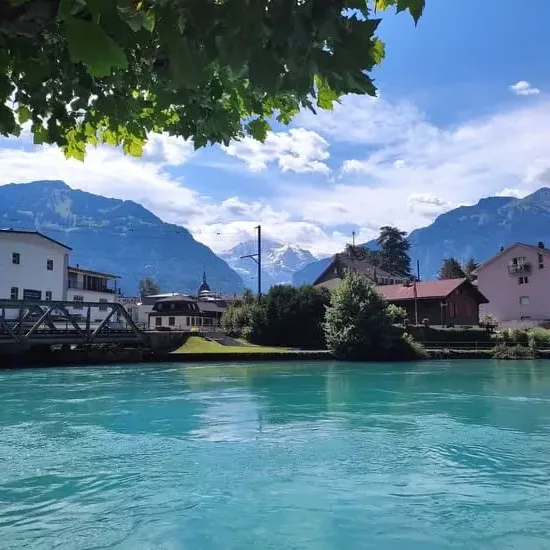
x: 136, y: 356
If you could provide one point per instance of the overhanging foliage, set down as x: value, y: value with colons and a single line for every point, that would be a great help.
x: 112, y: 71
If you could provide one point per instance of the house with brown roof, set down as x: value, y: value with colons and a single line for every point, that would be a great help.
x: 446, y: 302
x: 517, y: 283
x: 333, y: 274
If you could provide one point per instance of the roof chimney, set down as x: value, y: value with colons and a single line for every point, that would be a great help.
x: 541, y: 245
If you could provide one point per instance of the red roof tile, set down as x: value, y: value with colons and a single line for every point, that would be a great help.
x: 427, y: 289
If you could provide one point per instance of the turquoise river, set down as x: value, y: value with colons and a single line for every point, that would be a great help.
x: 435, y: 455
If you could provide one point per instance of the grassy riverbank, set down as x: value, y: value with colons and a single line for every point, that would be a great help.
x: 197, y: 344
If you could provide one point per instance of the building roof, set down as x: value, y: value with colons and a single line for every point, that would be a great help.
x: 23, y: 232
x: 507, y: 249
x: 212, y: 306
x: 344, y: 261
x: 427, y: 290
x: 331, y: 284
x: 78, y: 269
x: 177, y: 298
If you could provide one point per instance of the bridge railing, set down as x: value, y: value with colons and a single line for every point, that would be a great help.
x: 28, y: 321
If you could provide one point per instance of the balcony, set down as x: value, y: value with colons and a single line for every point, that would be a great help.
x: 519, y: 268
x: 91, y: 287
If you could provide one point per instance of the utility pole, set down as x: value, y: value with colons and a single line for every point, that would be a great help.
x: 353, y: 238
x: 257, y: 257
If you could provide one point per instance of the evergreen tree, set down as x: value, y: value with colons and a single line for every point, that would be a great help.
x: 451, y: 269
x: 394, y: 251
x: 469, y: 267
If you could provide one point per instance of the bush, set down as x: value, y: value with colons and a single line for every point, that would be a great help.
x: 503, y: 351
x: 285, y: 316
x: 537, y: 337
x: 360, y: 325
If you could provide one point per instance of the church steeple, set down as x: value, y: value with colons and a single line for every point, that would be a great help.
x: 204, y: 285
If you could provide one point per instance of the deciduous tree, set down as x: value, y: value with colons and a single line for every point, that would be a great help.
x: 112, y: 71
x: 360, y: 324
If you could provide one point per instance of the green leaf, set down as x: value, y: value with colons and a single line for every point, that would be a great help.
x: 7, y: 120
x: 415, y: 7
x: 326, y: 96
x: 133, y: 147
x: 40, y: 134
x: 24, y: 114
x: 89, y: 44
x: 378, y: 51
x: 258, y: 129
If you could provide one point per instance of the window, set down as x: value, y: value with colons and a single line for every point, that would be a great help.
x: 48, y: 295
x: 541, y: 261
x: 49, y: 265
x: 188, y: 321
x: 524, y: 300
x: 523, y: 280
x: 103, y: 304
x: 192, y: 321
x: 199, y: 321
x: 158, y: 321
x: 16, y: 258
x: 30, y: 294
x: 172, y: 321
x: 14, y: 294
x: 78, y: 302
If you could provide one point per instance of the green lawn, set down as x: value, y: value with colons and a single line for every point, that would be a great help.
x: 197, y: 344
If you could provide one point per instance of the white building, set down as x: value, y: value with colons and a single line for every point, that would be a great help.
x: 36, y: 267
x: 91, y: 286
x: 33, y: 266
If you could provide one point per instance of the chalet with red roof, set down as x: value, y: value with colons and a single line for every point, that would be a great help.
x: 447, y: 302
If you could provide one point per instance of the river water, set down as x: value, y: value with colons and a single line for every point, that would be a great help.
x: 440, y: 455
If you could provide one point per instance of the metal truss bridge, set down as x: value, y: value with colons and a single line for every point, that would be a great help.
x: 27, y: 323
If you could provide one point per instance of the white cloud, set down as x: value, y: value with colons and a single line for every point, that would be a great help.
x: 297, y: 150
x: 512, y: 192
x: 416, y: 171
x: 396, y: 168
x: 166, y: 149
x: 523, y: 87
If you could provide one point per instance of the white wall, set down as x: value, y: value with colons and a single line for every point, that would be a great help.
x: 180, y: 322
x: 96, y: 314
x: 32, y: 272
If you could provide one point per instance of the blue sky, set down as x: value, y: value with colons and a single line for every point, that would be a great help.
x: 463, y: 112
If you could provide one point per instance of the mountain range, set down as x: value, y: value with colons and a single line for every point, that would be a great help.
x: 476, y: 231
x: 124, y: 238
x: 115, y: 236
x: 279, y: 262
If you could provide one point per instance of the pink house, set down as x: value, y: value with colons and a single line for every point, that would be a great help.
x: 517, y: 284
